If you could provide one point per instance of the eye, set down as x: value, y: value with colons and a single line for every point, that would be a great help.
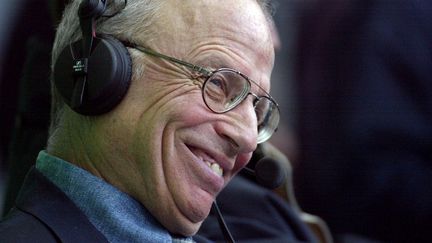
x: 216, y: 88
x: 217, y: 81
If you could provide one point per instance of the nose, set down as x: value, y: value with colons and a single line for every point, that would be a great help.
x: 242, y: 130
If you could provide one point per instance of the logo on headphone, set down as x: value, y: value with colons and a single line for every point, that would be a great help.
x: 80, y: 66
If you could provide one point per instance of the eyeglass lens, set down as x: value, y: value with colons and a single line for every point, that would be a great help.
x: 225, y: 89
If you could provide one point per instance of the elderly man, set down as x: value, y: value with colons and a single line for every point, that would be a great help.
x: 141, y: 153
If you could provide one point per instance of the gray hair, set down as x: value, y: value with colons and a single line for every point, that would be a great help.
x: 137, y: 17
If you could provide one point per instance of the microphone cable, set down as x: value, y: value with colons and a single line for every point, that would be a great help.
x: 222, y: 225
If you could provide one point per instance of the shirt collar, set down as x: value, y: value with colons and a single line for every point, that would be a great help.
x: 118, y: 216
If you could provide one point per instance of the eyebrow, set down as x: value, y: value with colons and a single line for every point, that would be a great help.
x: 214, y: 62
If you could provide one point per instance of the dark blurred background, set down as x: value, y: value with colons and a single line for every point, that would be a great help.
x: 26, y: 36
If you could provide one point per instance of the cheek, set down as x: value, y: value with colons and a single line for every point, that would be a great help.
x: 155, y: 128
x: 162, y: 162
x: 187, y: 109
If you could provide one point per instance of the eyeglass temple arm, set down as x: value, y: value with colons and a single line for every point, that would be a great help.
x: 168, y: 58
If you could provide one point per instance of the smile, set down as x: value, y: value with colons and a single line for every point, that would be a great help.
x: 215, y: 167
x: 208, y: 160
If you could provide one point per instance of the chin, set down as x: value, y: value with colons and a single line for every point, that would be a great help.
x: 190, y: 223
x: 185, y: 228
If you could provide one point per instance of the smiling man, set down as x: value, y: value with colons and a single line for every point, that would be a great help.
x: 140, y: 154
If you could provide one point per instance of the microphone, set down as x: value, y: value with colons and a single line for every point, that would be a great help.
x: 268, y: 172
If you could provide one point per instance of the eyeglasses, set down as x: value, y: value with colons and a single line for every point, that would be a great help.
x: 225, y: 88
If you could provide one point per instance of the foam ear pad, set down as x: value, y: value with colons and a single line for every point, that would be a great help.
x: 108, y: 76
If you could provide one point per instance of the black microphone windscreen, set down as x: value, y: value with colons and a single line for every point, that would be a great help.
x: 270, y: 172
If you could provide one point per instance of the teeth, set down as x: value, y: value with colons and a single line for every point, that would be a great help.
x: 215, y: 168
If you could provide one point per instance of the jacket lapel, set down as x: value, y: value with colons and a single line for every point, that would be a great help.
x: 49, y: 204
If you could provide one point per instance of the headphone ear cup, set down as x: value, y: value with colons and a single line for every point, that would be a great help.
x: 109, y: 75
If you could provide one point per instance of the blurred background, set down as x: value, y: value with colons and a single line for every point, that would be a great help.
x: 26, y: 37
x: 353, y: 81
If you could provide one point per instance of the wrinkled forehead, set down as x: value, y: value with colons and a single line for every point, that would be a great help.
x: 195, y: 16
x: 225, y: 33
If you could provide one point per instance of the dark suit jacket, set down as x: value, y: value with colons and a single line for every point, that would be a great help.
x: 255, y: 214
x: 45, y: 214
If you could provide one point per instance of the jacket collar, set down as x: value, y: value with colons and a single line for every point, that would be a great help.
x: 42, y: 199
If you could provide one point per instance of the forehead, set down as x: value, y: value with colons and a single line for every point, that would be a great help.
x: 197, y: 15
x: 217, y: 33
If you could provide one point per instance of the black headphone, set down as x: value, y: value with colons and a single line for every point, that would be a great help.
x: 93, y: 74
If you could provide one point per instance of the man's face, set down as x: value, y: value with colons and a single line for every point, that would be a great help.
x: 179, y: 154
